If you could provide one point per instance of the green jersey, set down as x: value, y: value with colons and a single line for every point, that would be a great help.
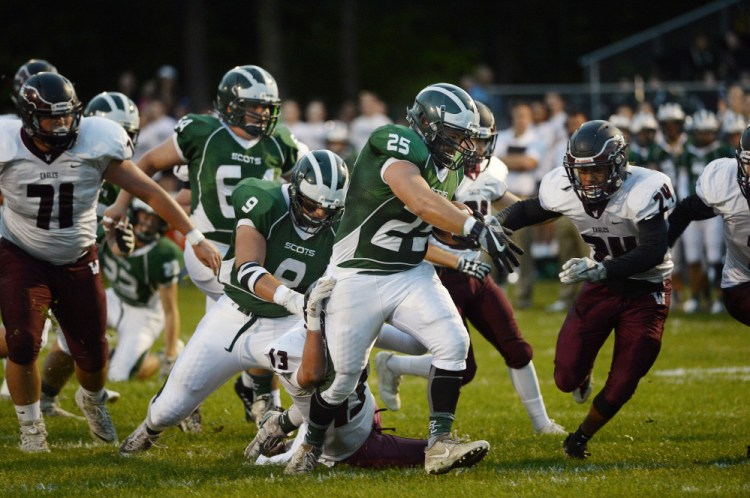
x: 136, y: 279
x: 295, y: 258
x: 378, y: 234
x: 217, y: 160
x: 693, y: 161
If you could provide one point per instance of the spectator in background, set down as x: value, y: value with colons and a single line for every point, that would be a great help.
x: 622, y: 121
x: 371, y: 116
x: 337, y: 141
x: 156, y: 126
x: 312, y: 131
x: 731, y: 130
x: 521, y: 149
x: 127, y: 84
x: 702, y: 59
x: 168, y: 91
x: 735, y: 104
x: 733, y: 56
x: 644, y: 151
x: 291, y: 116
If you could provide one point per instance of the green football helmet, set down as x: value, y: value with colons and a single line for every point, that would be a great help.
x: 447, y: 119
x: 119, y: 108
x: 318, y: 181
x: 243, y: 88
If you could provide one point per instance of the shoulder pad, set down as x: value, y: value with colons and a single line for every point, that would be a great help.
x: 102, y: 138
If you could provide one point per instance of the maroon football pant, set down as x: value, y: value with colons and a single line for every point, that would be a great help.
x: 485, y: 305
x: 384, y: 450
x: 74, y: 293
x: 638, y: 323
x: 737, y: 302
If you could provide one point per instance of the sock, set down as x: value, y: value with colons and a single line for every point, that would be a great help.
x: 50, y: 391
x: 526, y: 385
x: 440, y: 423
x: 97, y: 396
x: 286, y: 424
x: 444, y: 388
x: 247, y: 380
x: 411, y: 365
x: 28, y: 413
x: 262, y: 384
x: 276, y: 397
x: 321, y: 416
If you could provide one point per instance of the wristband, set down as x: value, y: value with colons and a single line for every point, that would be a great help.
x: 468, y: 225
x: 194, y: 237
x: 280, y: 294
x: 313, y: 324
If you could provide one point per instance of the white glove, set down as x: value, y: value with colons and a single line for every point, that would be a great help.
x: 293, y: 301
x: 582, y: 270
x: 473, y: 267
x: 314, y: 298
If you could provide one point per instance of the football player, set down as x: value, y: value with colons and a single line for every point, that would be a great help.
x: 356, y: 438
x: 723, y: 189
x: 620, y: 212
x: 58, y: 364
x: 400, y: 187
x: 240, y: 141
x: 282, y: 244
x: 50, y: 179
x: 702, y: 240
x: 478, y: 298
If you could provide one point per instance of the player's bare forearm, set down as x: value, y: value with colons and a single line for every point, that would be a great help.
x: 312, y: 370
x: 441, y: 257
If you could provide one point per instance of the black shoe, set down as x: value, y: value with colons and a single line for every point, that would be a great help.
x: 246, y: 396
x: 575, y: 448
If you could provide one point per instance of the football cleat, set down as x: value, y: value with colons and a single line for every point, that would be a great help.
x: 113, y: 396
x: 691, y: 306
x: 304, y: 460
x: 269, y: 437
x: 4, y: 392
x: 98, y: 417
x: 50, y: 406
x: 551, y: 429
x: 449, y: 452
x: 138, y: 441
x: 575, y: 448
x: 193, y: 423
x: 34, y: 437
x: 581, y: 393
x: 388, y: 382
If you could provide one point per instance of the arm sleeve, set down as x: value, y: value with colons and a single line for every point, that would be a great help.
x: 649, y: 253
x: 524, y: 213
x: 689, y: 209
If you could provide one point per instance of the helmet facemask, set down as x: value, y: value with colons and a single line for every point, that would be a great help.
x: 452, y: 147
x: 147, y: 225
x: 260, y: 123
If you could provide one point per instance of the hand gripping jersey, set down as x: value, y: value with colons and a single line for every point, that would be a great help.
x: 717, y: 188
x: 479, y: 194
x: 217, y: 160
x: 137, y: 278
x: 644, y: 193
x: 50, y: 209
x: 295, y: 258
x: 378, y: 234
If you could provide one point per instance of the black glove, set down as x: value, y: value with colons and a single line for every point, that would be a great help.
x: 494, y: 241
x: 125, y: 238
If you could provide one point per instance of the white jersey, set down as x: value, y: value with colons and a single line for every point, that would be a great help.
x: 644, y: 194
x: 346, y: 434
x: 717, y: 187
x: 50, y: 209
x: 479, y: 194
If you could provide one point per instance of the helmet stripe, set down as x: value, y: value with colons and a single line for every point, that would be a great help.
x: 451, y: 96
x: 316, y: 168
x: 334, y: 170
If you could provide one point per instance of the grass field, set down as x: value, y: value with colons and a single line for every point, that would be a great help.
x: 685, y: 432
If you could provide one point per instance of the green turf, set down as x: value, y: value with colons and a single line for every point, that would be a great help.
x: 685, y: 432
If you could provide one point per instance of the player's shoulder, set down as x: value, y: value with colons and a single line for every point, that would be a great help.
x: 496, y: 168
x: 197, y: 125
x: 283, y: 136
x: 398, y: 142
x: 717, y: 180
x: 555, y: 190
x: 263, y: 190
x: 10, y: 138
x: 102, y: 137
x: 168, y: 249
x: 640, y: 180
x: 646, y: 192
